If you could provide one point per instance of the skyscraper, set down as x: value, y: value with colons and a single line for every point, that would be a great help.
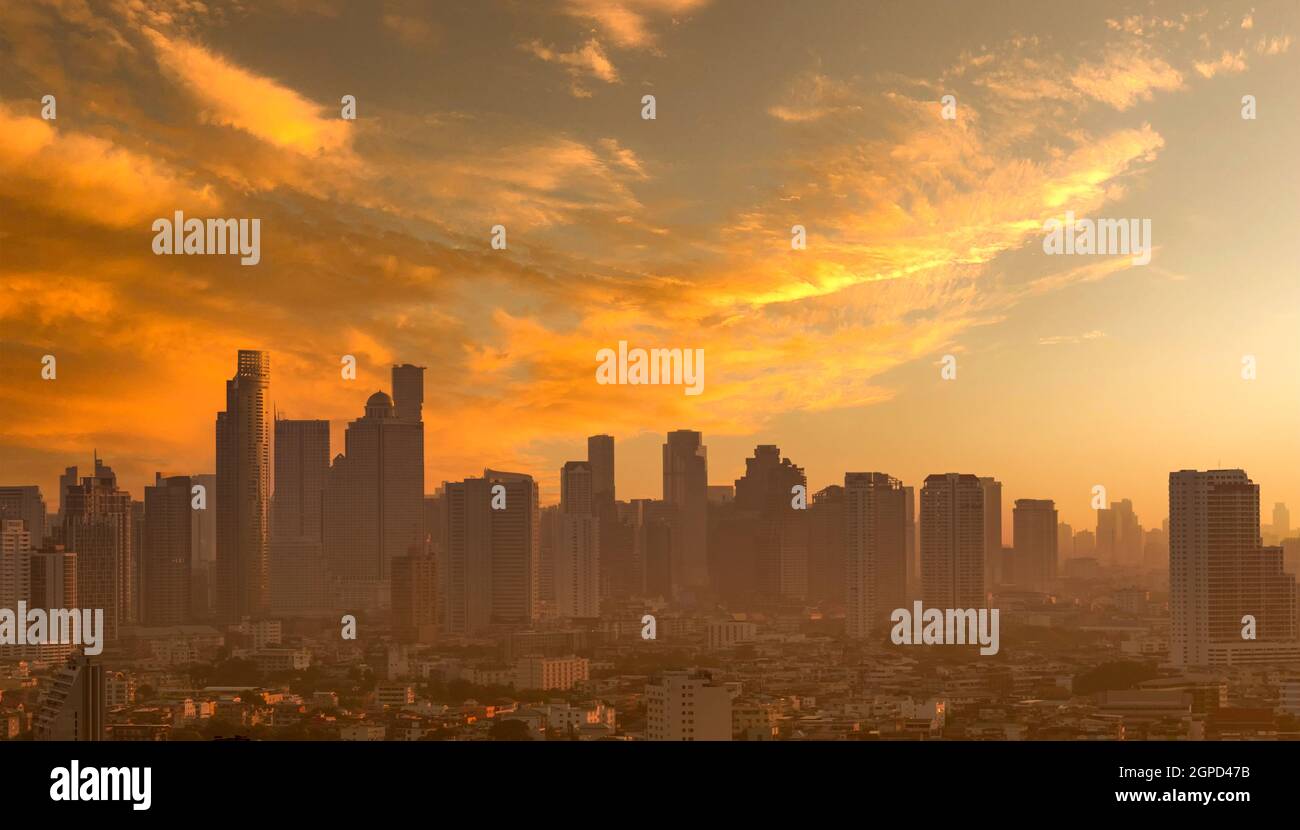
x: 203, y: 538
x: 826, y: 537
x: 577, y: 561
x: 408, y: 392
x: 600, y: 455
x: 686, y: 488
x: 764, y: 496
x: 875, y: 550
x: 298, y: 570
x: 1035, y: 543
x: 1119, y: 535
x: 952, y: 541
x: 374, y: 494
x: 97, y: 524
x: 1281, y: 520
x: 166, y: 552
x: 414, y: 598
x: 27, y: 504
x: 1219, y: 573
x: 244, y: 491
x: 15, y: 573
x: 492, y: 555
x: 53, y: 585
x: 993, y: 575
x: 73, y: 706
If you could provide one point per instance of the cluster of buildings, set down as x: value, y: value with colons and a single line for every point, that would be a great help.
x: 478, y: 587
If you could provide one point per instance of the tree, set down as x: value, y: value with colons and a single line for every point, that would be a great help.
x: 509, y: 730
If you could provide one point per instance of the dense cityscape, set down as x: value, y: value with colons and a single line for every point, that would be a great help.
x: 292, y: 595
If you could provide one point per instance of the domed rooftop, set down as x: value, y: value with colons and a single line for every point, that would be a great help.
x: 379, y: 399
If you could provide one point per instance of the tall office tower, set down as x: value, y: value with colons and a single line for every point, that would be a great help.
x: 408, y: 393
x: 244, y: 491
x: 53, y: 585
x: 600, y: 455
x: 765, y: 494
x: 551, y: 542
x: 27, y: 504
x: 1035, y: 543
x: 1155, y: 549
x: 374, y: 498
x: 203, y: 538
x: 136, y: 613
x: 165, y: 554
x: 913, y: 568
x: 826, y: 545
x: 15, y: 574
x: 576, y: 571
x: 875, y: 551
x: 73, y: 707
x: 687, y: 706
x: 492, y: 554
x: 655, y: 528
x: 1085, y: 544
x: 302, y: 462
x: 1064, y: 542
x: 1119, y: 535
x: 1219, y: 572
x: 992, y: 532
x: 70, y: 478
x: 97, y: 524
x: 1281, y: 521
x: 686, y: 488
x: 952, y: 541
x: 415, y: 594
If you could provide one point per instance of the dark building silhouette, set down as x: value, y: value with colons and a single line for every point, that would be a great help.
x: 244, y: 491
x: 98, y: 525
x: 165, y: 555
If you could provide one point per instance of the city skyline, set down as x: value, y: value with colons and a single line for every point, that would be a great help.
x: 923, y: 235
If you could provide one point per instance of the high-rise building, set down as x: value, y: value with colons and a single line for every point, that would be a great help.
x: 298, y: 569
x: 1281, y: 520
x: 203, y: 539
x: 952, y: 541
x: 1119, y: 535
x: 1064, y: 541
x: 764, y: 496
x: 1219, y: 573
x: 374, y: 496
x: 53, y: 585
x: 98, y: 525
x: 875, y: 551
x: 655, y: 528
x: 408, y: 393
x: 25, y: 503
x: 577, y: 560
x: 492, y: 555
x: 70, y: 478
x: 15, y: 573
x: 166, y: 552
x: 73, y: 706
x: 993, y: 575
x: 244, y: 491
x: 414, y: 598
x: 1035, y: 543
x: 600, y: 455
x: 687, y: 706
x: 686, y: 488
x: 826, y: 538
x: 913, y: 566
x: 1085, y: 544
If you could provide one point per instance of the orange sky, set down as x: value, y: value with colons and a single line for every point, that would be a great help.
x: 924, y: 234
